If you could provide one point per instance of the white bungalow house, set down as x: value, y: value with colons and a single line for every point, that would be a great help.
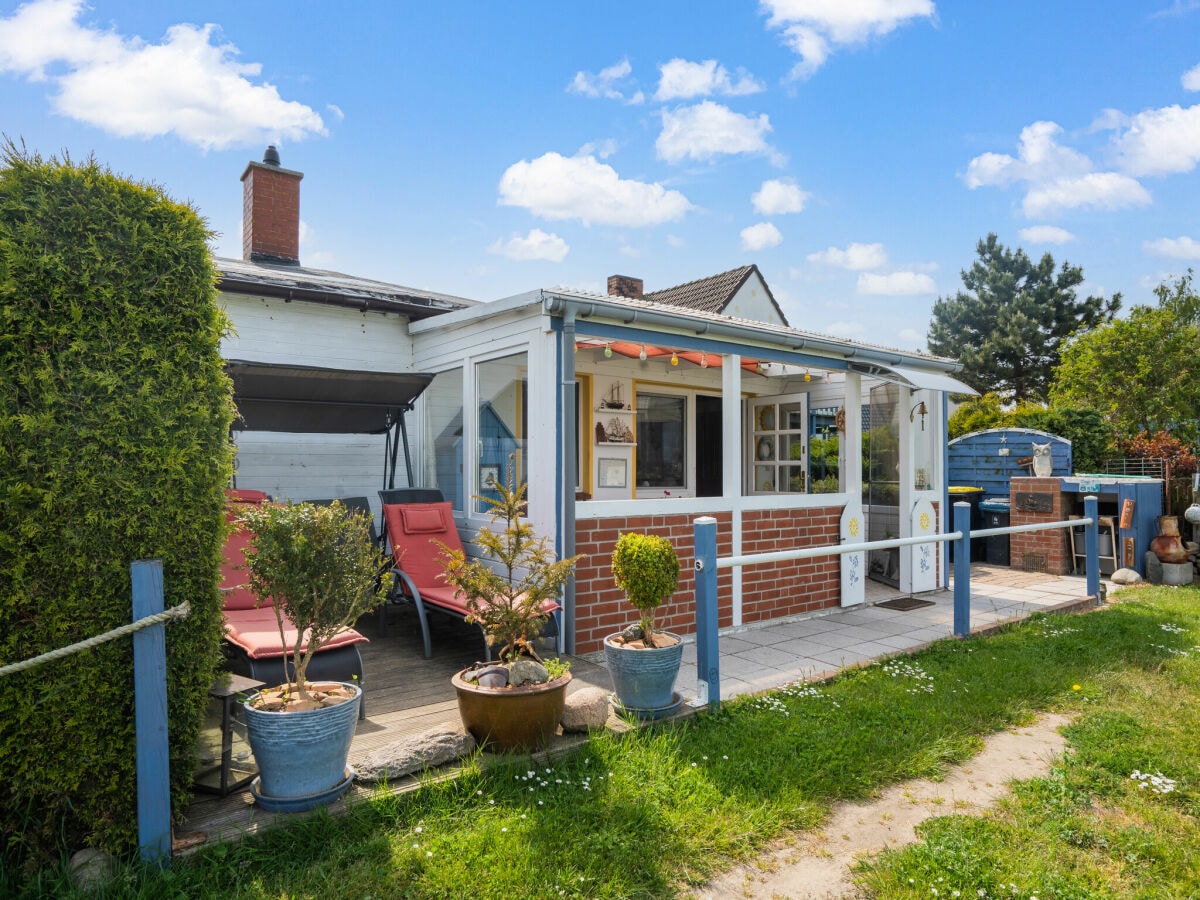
x: 625, y: 411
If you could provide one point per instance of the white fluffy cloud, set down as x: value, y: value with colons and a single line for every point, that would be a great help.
x: 1056, y: 177
x: 535, y: 245
x: 607, y: 83
x: 1191, y: 79
x: 855, y: 257
x: 1161, y: 141
x: 709, y: 129
x: 187, y: 85
x: 1097, y: 190
x: 812, y: 28
x: 896, y: 284
x: 1177, y: 248
x: 1039, y: 158
x: 1045, y: 234
x: 682, y: 80
x: 777, y: 197
x: 560, y: 187
x: 761, y: 236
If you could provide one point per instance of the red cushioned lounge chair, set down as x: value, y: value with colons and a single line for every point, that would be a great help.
x: 252, y: 632
x: 413, y: 531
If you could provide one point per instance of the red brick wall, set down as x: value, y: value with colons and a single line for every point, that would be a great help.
x: 1026, y: 551
x: 787, y: 588
x: 768, y: 591
x: 271, y: 213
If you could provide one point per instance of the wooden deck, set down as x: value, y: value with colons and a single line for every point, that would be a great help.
x: 404, y: 694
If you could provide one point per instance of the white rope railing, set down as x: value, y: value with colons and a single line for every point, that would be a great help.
x: 175, y: 612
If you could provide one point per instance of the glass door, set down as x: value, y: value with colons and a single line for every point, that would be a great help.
x: 881, y: 482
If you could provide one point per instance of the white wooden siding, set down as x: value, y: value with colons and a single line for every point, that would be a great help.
x: 313, y: 334
x: 315, y: 466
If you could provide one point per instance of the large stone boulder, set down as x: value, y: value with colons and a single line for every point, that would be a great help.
x: 433, y: 747
x: 1125, y: 576
x: 585, y: 710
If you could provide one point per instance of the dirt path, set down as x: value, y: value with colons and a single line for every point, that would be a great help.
x: 818, y: 865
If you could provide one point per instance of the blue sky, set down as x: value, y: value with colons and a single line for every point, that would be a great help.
x: 856, y: 150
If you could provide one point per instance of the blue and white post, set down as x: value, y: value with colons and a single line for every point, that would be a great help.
x: 1091, y: 545
x: 150, y: 715
x: 708, y: 657
x: 962, y: 570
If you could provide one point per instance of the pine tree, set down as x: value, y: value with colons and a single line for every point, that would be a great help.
x: 1009, y: 326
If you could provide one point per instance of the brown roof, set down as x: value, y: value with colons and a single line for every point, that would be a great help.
x: 712, y: 294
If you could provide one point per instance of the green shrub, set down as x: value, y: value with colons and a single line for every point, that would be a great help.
x: 318, y: 565
x: 114, y: 447
x: 646, y: 568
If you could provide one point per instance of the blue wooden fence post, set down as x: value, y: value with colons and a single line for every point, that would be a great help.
x: 708, y: 657
x: 150, y: 715
x: 1091, y: 545
x: 962, y: 570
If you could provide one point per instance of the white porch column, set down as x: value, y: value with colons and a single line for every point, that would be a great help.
x: 850, y: 447
x: 906, y: 487
x: 731, y: 476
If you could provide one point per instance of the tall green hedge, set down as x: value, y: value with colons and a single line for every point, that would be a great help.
x: 114, y: 447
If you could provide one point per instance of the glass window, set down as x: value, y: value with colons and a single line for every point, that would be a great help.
x: 779, y: 445
x: 661, y: 440
x: 443, y: 438
x: 823, y: 467
x: 501, y: 392
x: 924, y: 439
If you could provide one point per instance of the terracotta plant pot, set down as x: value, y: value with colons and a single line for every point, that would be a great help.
x: 511, y: 718
x: 1168, y: 546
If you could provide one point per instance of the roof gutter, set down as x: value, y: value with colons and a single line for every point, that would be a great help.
x: 763, y: 337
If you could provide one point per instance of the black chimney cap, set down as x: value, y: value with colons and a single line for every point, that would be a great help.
x: 271, y: 156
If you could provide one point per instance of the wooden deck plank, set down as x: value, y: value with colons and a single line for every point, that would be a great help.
x: 404, y: 693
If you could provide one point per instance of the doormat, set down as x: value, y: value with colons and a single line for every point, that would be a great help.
x: 904, y: 604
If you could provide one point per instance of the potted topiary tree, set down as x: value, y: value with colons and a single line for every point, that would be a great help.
x: 642, y: 661
x: 511, y: 592
x: 317, y: 567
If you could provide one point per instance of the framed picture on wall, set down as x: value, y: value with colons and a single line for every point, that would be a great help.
x: 613, y: 472
x: 488, y: 474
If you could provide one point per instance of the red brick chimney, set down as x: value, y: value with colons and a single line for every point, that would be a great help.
x: 271, y: 211
x: 624, y: 286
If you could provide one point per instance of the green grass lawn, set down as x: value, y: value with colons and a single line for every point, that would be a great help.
x: 649, y: 813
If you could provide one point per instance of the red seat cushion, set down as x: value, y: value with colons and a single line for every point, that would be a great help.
x: 257, y: 632
x: 415, y: 530
x: 234, y: 579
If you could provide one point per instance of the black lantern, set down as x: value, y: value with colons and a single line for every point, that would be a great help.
x: 225, y: 761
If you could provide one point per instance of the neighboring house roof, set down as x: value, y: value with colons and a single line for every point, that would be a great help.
x: 293, y: 282
x: 714, y: 293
